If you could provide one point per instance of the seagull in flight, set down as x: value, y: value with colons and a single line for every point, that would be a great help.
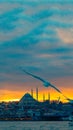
x: 45, y: 83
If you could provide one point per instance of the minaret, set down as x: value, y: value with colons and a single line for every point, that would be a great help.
x: 32, y: 92
x: 49, y: 97
x: 37, y: 94
x: 43, y: 97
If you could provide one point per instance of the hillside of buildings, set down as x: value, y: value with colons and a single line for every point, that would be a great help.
x: 29, y: 108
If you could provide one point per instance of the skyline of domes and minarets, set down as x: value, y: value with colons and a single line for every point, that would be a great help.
x: 35, y: 95
x: 30, y: 96
x: 30, y: 109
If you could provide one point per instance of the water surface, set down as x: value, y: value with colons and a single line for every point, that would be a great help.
x: 39, y: 125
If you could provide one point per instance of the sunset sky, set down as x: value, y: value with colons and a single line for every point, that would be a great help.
x: 37, y: 35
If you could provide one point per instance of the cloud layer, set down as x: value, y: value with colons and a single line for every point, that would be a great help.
x: 37, y: 35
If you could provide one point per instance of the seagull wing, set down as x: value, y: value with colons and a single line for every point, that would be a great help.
x: 70, y: 100
x: 37, y: 77
x: 67, y: 98
x: 55, y: 88
x: 34, y: 76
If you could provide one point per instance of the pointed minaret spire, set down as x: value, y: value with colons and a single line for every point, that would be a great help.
x: 43, y: 97
x: 37, y: 94
x: 32, y: 92
x: 49, y: 97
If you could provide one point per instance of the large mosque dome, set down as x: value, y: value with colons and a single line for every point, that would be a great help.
x: 28, y: 100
